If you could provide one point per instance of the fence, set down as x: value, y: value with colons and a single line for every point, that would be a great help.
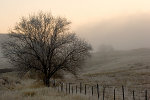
x: 98, y: 92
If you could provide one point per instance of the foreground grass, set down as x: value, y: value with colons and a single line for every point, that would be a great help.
x: 38, y: 94
x: 30, y: 89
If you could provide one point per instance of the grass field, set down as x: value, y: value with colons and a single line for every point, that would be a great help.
x: 110, y: 69
x: 13, y: 88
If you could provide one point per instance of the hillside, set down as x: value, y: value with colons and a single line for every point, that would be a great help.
x: 101, y: 61
x: 3, y: 62
x: 114, y: 69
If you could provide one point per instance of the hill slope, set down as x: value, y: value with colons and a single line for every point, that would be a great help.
x: 129, y: 68
x: 3, y: 62
x: 101, y: 61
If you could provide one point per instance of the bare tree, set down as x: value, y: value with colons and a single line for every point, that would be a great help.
x: 44, y: 43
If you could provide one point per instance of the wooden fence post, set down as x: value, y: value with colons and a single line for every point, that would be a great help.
x: 66, y: 88
x: 146, y: 95
x: 98, y: 91
x: 114, y: 94
x: 85, y: 89
x: 72, y: 89
x: 76, y: 89
x: 92, y: 90
x: 123, y: 92
x: 61, y: 87
x: 69, y: 88
x: 103, y: 93
x: 80, y: 87
x: 133, y: 95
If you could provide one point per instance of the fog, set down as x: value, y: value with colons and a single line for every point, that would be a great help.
x: 123, y: 33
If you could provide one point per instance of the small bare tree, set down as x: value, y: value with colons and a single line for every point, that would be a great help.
x: 44, y: 43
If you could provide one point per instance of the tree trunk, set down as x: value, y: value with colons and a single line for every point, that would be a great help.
x: 46, y: 81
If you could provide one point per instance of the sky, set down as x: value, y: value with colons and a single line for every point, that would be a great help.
x: 98, y: 21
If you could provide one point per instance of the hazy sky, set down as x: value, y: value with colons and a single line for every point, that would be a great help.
x: 78, y: 11
x: 92, y: 19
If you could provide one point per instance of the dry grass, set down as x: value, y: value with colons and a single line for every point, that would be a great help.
x: 30, y: 89
x: 132, y: 71
x: 39, y: 94
x: 29, y: 93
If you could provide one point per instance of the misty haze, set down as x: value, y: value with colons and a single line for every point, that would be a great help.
x: 123, y: 33
x: 75, y: 50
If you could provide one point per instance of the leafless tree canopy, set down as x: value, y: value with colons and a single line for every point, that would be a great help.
x: 45, y: 43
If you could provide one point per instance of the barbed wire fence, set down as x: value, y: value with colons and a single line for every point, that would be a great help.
x: 101, y: 92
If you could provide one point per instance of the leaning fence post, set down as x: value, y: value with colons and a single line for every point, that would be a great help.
x: 146, y: 95
x: 103, y: 93
x: 133, y: 95
x: 80, y: 87
x: 123, y: 92
x: 114, y: 94
x: 92, y: 90
x: 98, y: 91
x: 85, y: 89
